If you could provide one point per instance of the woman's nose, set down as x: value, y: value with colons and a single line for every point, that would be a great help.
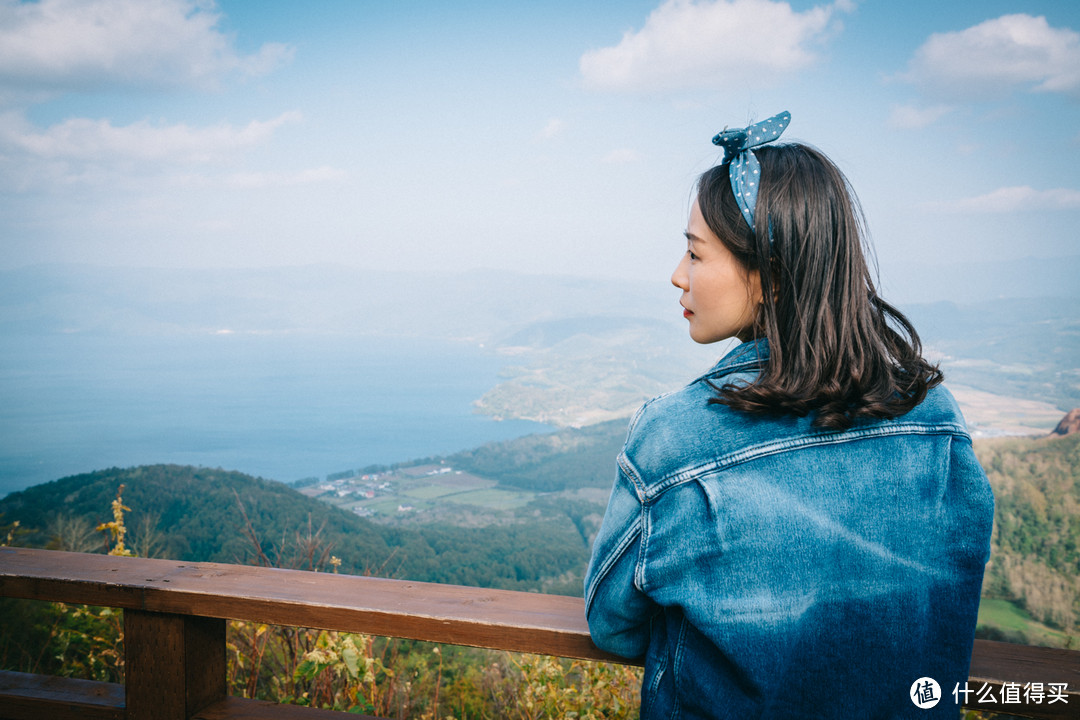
x: 679, y: 277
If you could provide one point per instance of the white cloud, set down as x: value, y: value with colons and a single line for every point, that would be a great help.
x: 621, y: 156
x: 83, y: 139
x: 554, y: 127
x: 726, y: 43
x: 81, y: 150
x: 75, y: 44
x: 994, y: 57
x: 1013, y: 199
x: 909, y: 117
x: 311, y: 176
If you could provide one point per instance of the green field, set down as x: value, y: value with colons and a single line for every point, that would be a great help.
x: 430, y: 492
x: 494, y: 499
x: 1003, y: 615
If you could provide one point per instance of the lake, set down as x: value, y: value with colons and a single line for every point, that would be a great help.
x: 281, y: 406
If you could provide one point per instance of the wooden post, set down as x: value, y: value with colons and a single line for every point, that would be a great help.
x: 174, y: 664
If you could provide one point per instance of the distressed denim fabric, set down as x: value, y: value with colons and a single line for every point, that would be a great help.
x: 764, y: 568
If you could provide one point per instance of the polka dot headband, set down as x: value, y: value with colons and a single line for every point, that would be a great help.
x: 743, y: 166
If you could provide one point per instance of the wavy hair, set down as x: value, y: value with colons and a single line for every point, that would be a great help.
x: 835, y: 347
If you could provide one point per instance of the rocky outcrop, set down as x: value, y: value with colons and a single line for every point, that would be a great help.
x: 1069, y: 424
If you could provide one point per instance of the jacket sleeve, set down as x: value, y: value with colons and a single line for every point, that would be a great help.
x: 619, y: 613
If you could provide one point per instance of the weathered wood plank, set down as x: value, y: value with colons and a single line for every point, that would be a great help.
x: 478, y: 617
x: 24, y: 696
x: 1025, y: 663
x: 498, y: 619
x: 233, y: 708
x: 1043, y: 710
x: 994, y: 665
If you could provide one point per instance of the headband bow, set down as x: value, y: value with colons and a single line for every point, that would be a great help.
x: 743, y: 166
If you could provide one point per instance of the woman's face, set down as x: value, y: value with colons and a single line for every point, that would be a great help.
x: 720, y: 297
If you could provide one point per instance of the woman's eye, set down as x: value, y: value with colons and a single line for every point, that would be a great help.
x: 692, y: 255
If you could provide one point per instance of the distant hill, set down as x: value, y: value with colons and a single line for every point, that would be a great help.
x: 580, y: 370
x: 315, y: 299
x: 565, y: 460
x: 195, y: 514
x: 1026, y: 347
x: 334, y: 298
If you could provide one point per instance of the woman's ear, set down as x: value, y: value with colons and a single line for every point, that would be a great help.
x: 753, y: 287
x: 774, y: 281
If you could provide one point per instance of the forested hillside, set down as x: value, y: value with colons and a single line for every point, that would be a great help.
x: 1035, y: 558
x: 565, y: 460
x: 199, y: 514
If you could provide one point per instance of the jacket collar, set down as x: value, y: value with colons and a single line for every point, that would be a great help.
x: 750, y: 355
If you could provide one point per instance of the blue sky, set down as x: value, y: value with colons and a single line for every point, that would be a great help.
x: 549, y: 137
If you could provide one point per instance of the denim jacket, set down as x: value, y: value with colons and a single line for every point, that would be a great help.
x: 764, y: 568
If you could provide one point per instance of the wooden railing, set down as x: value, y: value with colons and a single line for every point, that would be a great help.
x: 174, y: 634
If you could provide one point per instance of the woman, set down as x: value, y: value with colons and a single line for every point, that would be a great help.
x: 801, y: 532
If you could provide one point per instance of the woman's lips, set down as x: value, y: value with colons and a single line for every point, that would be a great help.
x: 686, y: 313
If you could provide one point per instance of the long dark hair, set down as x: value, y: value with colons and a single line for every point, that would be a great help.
x: 835, y: 347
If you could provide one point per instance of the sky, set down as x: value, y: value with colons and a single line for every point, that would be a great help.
x: 546, y: 137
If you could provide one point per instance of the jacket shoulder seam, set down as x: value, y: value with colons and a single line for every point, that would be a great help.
x: 776, y: 447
